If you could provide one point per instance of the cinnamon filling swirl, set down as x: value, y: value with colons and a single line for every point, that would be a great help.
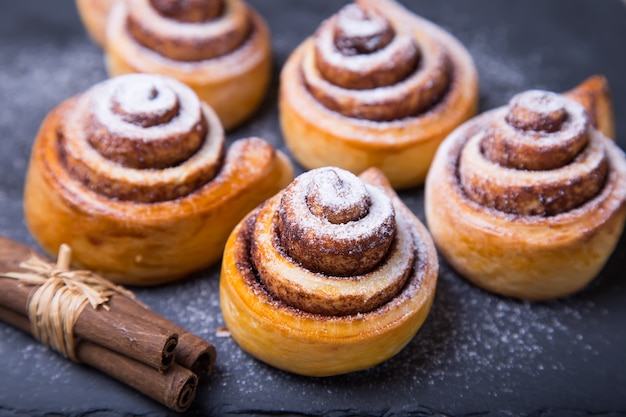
x: 194, y: 11
x: 364, y: 66
x: 333, y: 223
x: 189, y: 30
x: 143, y: 138
x: 330, y: 244
x: 538, y: 157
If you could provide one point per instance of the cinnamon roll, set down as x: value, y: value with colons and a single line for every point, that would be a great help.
x: 331, y: 275
x: 220, y: 48
x: 375, y: 86
x: 94, y: 14
x: 529, y: 200
x: 133, y: 174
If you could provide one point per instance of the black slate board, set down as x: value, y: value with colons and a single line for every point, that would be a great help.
x: 477, y: 354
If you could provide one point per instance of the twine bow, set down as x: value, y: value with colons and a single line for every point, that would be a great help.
x: 61, y: 296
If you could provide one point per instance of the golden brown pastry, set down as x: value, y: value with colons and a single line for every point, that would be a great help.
x: 376, y: 86
x: 94, y: 14
x: 134, y: 176
x: 332, y: 275
x: 220, y: 48
x: 529, y: 200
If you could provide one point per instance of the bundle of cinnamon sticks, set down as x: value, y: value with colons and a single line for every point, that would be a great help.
x: 122, y: 338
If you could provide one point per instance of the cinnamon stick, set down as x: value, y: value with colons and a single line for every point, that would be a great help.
x: 129, y: 337
x: 145, y: 341
x: 174, y: 388
x: 118, y: 336
x: 192, y: 351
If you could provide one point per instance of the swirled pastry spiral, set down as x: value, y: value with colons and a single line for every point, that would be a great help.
x: 375, y: 86
x: 220, y: 48
x: 529, y: 200
x: 134, y: 176
x: 332, y: 275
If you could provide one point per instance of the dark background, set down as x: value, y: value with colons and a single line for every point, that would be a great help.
x: 477, y: 354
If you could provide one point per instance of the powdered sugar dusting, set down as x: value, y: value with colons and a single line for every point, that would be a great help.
x: 380, y: 210
x: 502, y: 336
x: 477, y: 354
x: 131, y: 91
x: 354, y: 22
x: 232, y: 19
x: 384, y: 278
x: 78, y: 147
x: 574, y: 127
x: 506, y: 74
x: 337, y: 193
x: 143, y: 95
x: 539, y: 101
x: 400, y: 48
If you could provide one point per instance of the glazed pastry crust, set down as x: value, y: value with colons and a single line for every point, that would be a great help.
x: 402, y: 149
x: 317, y: 344
x: 233, y: 84
x: 526, y: 257
x: 138, y: 243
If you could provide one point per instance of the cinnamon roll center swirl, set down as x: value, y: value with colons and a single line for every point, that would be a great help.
x: 189, y: 30
x: 359, y: 31
x: 192, y: 11
x: 541, y: 130
x: 332, y: 223
x: 365, y: 66
x: 141, y: 137
x: 537, y: 110
x: 538, y: 157
x: 337, y: 199
x: 146, y: 122
x: 144, y: 104
x: 352, y: 266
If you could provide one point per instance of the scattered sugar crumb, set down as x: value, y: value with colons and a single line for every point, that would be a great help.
x: 222, y: 331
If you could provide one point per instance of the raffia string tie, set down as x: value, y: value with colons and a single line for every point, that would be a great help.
x: 61, y: 296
